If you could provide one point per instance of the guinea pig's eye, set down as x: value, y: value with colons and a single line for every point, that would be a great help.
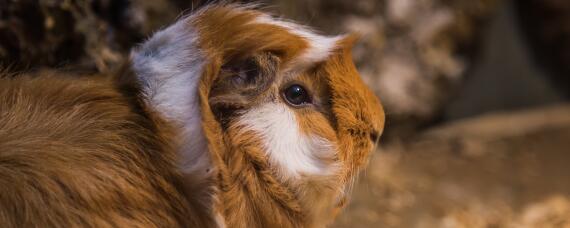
x: 296, y: 95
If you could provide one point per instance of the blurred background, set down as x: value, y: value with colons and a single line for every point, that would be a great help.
x: 476, y: 94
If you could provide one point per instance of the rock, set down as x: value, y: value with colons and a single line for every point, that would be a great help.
x: 86, y: 35
x: 546, y: 24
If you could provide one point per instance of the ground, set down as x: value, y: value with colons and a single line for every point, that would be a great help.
x: 498, y: 170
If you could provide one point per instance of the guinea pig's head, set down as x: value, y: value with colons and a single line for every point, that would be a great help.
x: 273, y: 113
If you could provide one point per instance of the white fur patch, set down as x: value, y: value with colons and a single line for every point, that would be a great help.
x: 320, y: 46
x: 293, y: 153
x: 169, y: 67
x: 220, y: 221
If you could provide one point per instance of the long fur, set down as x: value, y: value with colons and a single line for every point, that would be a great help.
x: 79, y: 153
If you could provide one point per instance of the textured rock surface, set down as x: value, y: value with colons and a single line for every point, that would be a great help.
x: 57, y: 34
x: 80, y: 34
x: 546, y: 24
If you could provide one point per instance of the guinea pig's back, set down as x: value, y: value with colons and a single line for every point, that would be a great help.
x: 76, y: 152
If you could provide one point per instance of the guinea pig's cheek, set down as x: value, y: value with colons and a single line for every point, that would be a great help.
x: 292, y: 152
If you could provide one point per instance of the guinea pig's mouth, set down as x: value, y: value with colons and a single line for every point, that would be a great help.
x: 374, y: 137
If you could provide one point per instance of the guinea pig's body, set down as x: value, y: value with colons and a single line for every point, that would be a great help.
x: 228, y: 118
x: 79, y: 153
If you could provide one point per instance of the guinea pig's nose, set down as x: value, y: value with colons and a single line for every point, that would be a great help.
x: 374, y: 135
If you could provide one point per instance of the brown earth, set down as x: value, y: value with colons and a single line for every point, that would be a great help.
x: 498, y: 170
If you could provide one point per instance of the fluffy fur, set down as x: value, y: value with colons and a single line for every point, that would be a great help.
x: 168, y: 67
x: 193, y: 132
x: 255, y: 187
x: 293, y: 153
x: 78, y: 153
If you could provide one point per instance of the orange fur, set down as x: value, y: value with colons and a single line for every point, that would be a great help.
x: 78, y: 153
x: 249, y: 194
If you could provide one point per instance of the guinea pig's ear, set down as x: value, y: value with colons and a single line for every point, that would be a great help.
x: 240, y: 82
x: 348, y: 41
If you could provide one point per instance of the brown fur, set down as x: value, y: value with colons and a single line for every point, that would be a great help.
x: 359, y: 115
x: 78, y: 153
x: 90, y: 153
x: 228, y: 35
x: 250, y: 194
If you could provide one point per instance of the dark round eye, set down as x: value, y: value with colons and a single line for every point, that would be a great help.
x: 296, y: 95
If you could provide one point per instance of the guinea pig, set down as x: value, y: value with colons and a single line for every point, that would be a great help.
x: 230, y: 117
